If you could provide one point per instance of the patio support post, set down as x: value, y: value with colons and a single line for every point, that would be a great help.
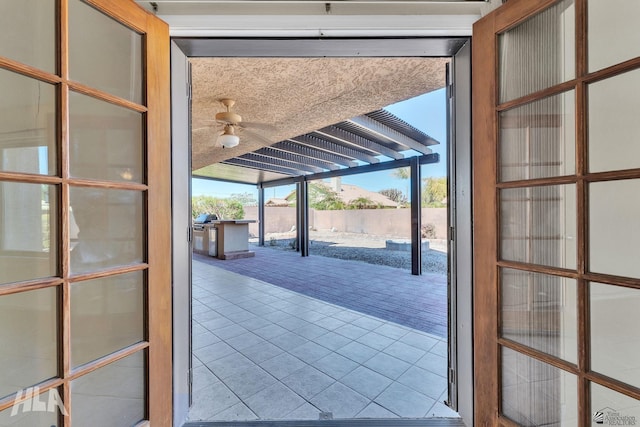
x: 302, y: 204
x: 260, y: 214
x: 416, y: 218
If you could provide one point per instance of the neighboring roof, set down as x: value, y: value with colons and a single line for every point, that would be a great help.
x: 277, y: 202
x: 348, y: 193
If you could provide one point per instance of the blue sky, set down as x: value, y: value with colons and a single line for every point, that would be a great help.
x: 426, y: 112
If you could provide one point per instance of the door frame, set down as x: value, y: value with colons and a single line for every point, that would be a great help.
x: 461, y: 380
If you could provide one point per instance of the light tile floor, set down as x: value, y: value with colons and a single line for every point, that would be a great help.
x: 264, y: 352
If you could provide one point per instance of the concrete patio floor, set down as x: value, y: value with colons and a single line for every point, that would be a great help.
x: 265, y: 352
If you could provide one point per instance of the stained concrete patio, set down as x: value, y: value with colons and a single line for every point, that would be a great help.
x: 391, y: 294
x: 265, y: 352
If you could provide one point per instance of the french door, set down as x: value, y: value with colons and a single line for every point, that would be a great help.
x: 85, y: 279
x: 556, y: 213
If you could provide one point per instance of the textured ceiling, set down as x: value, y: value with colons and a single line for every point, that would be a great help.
x: 298, y: 95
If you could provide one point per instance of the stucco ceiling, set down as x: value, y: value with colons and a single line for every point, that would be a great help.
x: 298, y: 95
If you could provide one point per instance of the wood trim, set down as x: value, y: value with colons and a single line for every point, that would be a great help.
x: 582, y: 309
x: 518, y: 11
x: 108, y: 272
x: 536, y: 268
x: 8, y: 401
x: 485, y: 246
x: 611, y: 175
x: 32, y: 285
x: 616, y: 385
x: 106, y: 360
x: 63, y: 170
x: 115, y: 185
x: 28, y: 71
x: 613, y: 70
x: 506, y: 422
x: 124, y: 12
x: 609, y: 279
x: 531, y: 352
x: 159, y: 214
x: 105, y: 96
x: 29, y: 178
x: 537, y: 182
x: 536, y: 96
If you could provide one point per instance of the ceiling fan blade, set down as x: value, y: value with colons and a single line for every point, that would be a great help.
x: 256, y: 136
x: 255, y: 125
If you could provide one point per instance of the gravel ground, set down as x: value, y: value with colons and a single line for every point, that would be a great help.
x: 362, y: 247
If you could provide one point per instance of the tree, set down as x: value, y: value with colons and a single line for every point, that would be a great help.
x: 323, y: 198
x: 395, y: 194
x: 402, y: 173
x: 223, y: 208
x: 362, y: 203
x: 245, y: 199
x: 434, y: 192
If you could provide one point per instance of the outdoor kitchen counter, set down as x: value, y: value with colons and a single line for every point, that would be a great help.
x: 232, y: 240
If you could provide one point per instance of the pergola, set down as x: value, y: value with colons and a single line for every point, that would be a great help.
x: 371, y: 142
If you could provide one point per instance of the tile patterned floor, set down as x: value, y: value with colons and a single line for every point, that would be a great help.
x: 387, y: 293
x: 265, y: 352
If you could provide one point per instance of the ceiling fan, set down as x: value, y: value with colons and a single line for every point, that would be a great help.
x: 232, y: 127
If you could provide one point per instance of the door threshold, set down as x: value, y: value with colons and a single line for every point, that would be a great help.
x: 391, y: 422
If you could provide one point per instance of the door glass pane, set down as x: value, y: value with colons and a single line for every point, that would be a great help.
x: 24, y: 416
x: 615, y: 343
x: 538, y: 225
x: 110, y: 228
x: 614, y: 129
x: 29, y: 35
x: 539, y: 310
x: 28, y: 231
x: 103, y: 53
x: 106, y: 315
x: 29, y: 334
x: 105, y: 140
x: 537, y: 140
x: 611, y: 408
x: 614, y: 35
x: 112, y: 395
x: 539, y: 53
x: 27, y: 124
x: 537, y: 394
x: 614, y: 230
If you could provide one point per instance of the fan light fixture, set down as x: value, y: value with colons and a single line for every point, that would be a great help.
x: 228, y: 139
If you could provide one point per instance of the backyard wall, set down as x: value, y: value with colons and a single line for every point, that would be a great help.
x: 382, y: 222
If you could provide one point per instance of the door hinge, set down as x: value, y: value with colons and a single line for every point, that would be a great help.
x: 451, y: 233
x: 452, y: 376
x: 189, y: 86
x: 189, y: 234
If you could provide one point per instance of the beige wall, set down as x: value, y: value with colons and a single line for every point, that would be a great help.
x: 383, y: 222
